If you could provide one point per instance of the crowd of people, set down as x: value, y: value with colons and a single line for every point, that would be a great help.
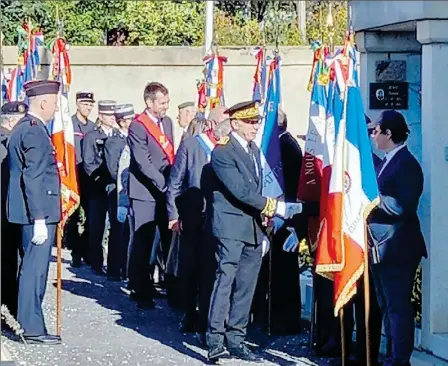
x: 193, y: 223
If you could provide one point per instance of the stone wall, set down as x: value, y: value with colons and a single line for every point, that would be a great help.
x: 121, y: 73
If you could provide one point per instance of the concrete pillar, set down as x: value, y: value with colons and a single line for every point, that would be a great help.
x: 433, y: 36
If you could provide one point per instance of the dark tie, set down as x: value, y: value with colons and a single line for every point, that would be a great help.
x: 250, y: 151
x: 380, y: 166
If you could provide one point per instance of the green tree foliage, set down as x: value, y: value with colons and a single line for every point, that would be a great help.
x: 168, y: 23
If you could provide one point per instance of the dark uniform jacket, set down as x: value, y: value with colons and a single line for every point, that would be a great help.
x: 237, y: 199
x: 184, y: 184
x: 113, y: 148
x: 34, y: 184
x: 4, y: 135
x: 149, y: 168
x: 393, y: 226
x: 80, y: 130
x: 94, y: 162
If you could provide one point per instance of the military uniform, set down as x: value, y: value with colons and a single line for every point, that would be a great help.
x: 119, y: 232
x: 34, y: 203
x: 78, y: 243
x: 10, y: 233
x: 99, y: 179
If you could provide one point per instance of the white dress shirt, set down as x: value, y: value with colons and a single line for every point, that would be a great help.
x: 156, y: 121
x: 245, y: 145
x: 389, y: 156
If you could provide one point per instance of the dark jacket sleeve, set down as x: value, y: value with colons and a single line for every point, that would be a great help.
x: 88, y: 154
x: 112, y: 156
x: 409, y: 183
x: 228, y: 173
x: 142, y: 155
x: 35, y: 144
x: 175, y: 181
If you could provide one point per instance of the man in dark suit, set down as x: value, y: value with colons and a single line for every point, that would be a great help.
x: 152, y: 155
x: 81, y: 126
x: 238, y: 210
x: 186, y: 213
x: 99, y: 181
x: 395, y: 238
x: 12, y: 112
x: 34, y: 203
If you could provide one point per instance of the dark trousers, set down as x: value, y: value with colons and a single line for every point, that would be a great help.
x: 96, y: 223
x: 118, y: 240
x: 393, y: 285
x: 233, y: 291
x: 10, y: 243
x: 33, y: 280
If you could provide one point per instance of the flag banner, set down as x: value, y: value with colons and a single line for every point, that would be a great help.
x: 311, y: 171
x: 62, y: 133
x: 213, y: 85
x: 259, y: 88
x: 268, y: 137
x: 349, y: 186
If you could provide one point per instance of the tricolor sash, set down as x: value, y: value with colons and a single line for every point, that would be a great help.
x: 207, y: 142
x: 163, y: 141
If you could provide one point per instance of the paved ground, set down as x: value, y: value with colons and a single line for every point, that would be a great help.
x: 101, y: 326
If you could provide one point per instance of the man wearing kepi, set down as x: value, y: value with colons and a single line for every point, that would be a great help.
x: 239, y: 211
x: 34, y: 203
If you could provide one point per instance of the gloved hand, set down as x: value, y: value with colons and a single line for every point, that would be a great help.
x: 292, y: 241
x: 110, y: 187
x: 40, y: 232
x: 276, y: 224
x: 266, y: 245
x: 122, y: 213
x: 287, y: 210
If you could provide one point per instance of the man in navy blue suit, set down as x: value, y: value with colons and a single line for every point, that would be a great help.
x: 395, y: 238
x: 150, y: 142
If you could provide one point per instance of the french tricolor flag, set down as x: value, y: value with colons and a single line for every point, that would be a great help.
x: 352, y: 189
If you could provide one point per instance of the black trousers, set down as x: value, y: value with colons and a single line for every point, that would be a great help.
x: 393, y: 285
x: 96, y: 222
x: 147, y: 217
x: 33, y: 280
x: 117, y: 252
x: 10, y: 242
x: 236, y: 278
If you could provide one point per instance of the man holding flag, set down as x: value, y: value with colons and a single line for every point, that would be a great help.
x: 34, y: 202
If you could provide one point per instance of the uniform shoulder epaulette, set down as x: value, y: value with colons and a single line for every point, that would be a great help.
x: 33, y: 122
x: 223, y: 140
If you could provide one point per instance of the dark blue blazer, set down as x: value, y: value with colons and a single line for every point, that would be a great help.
x: 113, y: 148
x: 184, y: 183
x: 149, y: 168
x: 80, y: 130
x: 393, y: 226
x: 34, y: 185
x: 237, y: 199
x: 94, y: 162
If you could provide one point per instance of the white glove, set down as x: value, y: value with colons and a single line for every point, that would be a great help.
x: 122, y: 212
x: 40, y: 232
x: 291, y: 242
x: 288, y: 209
x: 266, y: 245
x: 276, y: 223
x: 110, y: 187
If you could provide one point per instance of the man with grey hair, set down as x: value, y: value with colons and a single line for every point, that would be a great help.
x: 187, y: 111
x: 34, y: 202
x: 11, y: 113
x: 186, y: 212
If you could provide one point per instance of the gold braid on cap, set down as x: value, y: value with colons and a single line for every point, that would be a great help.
x: 270, y: 207
x: 248, y: 113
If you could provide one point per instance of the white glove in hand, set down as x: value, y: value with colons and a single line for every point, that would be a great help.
x: 276, y: 223
x: 291, y: 242
x: 40, y: 232
x: 122, y: 212
x: 292, y: 209
x: 110, y: 187
x: 265, y: 245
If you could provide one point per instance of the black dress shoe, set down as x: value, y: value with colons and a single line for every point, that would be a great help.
x: 188, y: 324
x: 217, y: 352
x: 99, y: 271
x: 243, y: 353
x: 43, y: 339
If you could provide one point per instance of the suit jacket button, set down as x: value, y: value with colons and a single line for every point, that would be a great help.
x: 48, y: 192
x: 250, y: 180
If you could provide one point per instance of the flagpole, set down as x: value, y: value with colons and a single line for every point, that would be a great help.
x: 59, y: 280
x: 343, y: 343
x: 209, y: 25
x: 367, y: 300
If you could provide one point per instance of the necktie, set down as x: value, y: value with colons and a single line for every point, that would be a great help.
x: 251, y: 153
x: 380, y: 166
